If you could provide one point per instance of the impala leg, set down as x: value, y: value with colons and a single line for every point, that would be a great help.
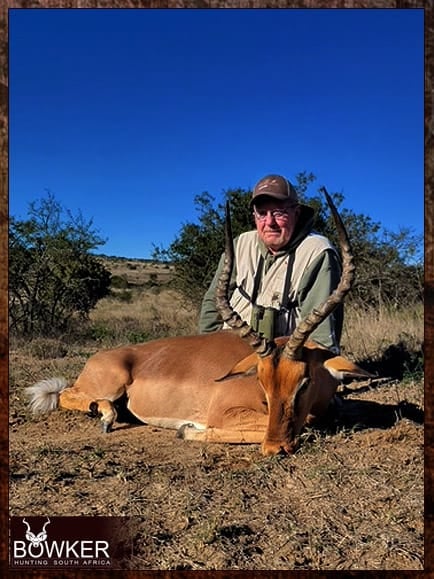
x: 221, y: 435
x: 106, y: 410
x: 233, y: 424
x: 71, y: 399
x: 230, y: 425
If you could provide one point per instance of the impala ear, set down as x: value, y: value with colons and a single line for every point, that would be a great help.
x: 245, y: 367
x: 340, y: 368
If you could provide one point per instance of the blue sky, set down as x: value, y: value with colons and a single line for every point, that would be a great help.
x: 127, y: 115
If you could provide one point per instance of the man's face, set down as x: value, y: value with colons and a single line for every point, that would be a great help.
x: 275, y: 222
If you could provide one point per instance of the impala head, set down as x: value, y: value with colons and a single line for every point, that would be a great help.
x: 292, y: 369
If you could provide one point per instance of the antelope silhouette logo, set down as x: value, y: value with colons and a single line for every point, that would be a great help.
x: 40, y: 537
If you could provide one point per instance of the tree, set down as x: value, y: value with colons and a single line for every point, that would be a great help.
x: 52, y: 275
x: 389, y: 268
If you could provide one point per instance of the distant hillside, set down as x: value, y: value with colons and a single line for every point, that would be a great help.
x: 137, y: 272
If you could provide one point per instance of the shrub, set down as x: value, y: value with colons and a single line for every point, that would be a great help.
x: 52, y: 275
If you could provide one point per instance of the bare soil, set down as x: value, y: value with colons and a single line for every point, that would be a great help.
x: 350, y: 498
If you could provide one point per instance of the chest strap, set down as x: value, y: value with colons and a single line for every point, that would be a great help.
x: 286, y: 303
x: 256, y: 283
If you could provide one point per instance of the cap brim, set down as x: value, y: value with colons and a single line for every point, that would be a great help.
x: 272, y: 196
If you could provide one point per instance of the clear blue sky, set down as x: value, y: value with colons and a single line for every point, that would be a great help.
x: 127, y: 115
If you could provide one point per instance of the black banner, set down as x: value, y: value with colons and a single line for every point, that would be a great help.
x: 70, y: 542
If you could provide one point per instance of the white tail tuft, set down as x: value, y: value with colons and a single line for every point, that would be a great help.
x: 44, y: 395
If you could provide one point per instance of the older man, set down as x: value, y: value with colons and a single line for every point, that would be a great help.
x: 283, y: 269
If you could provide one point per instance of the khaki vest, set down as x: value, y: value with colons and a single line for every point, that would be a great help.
x: 247, y: 255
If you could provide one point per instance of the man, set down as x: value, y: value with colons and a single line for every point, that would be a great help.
x: 282, y: 270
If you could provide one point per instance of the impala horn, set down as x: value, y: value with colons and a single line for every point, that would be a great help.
x: 262, y: 346
x: 305, y: 327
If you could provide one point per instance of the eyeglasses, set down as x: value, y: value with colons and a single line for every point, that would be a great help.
x: 277, y: 214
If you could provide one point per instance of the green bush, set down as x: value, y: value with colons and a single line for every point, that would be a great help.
x: 53, y: 277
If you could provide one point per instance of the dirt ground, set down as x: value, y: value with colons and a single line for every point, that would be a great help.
x: 350, y: 498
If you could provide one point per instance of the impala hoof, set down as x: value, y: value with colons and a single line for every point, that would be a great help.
x: 93, y: 410
x: 180, y: 433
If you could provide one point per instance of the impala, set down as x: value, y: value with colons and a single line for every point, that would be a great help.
x: 231, y: 386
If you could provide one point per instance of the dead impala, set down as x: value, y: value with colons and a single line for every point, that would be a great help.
x: 231, y: 386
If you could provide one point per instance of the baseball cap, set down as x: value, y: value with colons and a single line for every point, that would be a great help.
x: 275, y: 186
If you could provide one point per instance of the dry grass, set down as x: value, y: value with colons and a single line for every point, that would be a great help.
x: 367, y: 334
x: 351, y: 498
x: 150, y: 314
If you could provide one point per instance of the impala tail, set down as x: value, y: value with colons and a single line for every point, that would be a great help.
x: 44, y: 395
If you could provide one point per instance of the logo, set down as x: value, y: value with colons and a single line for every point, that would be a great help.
x: 36, y: 540
x: 68, y: 542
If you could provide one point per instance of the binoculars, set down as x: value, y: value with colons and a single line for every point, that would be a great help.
x: 270, y: 322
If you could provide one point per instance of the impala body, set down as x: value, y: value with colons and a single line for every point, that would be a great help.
x: 230, y: 386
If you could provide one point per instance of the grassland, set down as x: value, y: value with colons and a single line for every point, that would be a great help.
x: 351, y: 498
